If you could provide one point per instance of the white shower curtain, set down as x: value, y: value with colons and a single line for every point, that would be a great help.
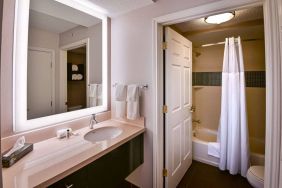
x: 233, y: 127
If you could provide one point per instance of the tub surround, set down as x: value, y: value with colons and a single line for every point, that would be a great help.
x: 54, y: 159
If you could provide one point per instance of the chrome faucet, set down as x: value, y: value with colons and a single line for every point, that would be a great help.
x: 93, y: 121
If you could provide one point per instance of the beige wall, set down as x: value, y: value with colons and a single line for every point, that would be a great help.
x: 207, y: 98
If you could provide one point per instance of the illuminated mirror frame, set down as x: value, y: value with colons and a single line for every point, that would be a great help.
x: 20, y: 51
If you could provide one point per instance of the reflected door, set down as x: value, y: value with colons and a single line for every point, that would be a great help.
x: 39, y: 84
x: 178, y: 98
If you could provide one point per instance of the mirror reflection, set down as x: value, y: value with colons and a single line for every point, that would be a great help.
x: 64, y: 71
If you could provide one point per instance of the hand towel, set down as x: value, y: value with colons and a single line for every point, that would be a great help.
x: 99, y: 95
x: 120, y: 92
x: 93, y: 95
x: 214, y: 149
x: 120, y: 100
x: 133, y: 102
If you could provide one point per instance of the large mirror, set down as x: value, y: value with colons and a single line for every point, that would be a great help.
x: 60, y: 60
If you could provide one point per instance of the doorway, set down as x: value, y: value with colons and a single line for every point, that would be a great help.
x: 76, y: 84
x: 206, y: 89
x: 272, y: 58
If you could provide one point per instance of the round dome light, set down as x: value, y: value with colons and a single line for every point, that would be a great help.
x: 220, y: 18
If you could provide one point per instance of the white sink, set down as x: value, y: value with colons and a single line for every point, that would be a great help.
x: 103, y: 133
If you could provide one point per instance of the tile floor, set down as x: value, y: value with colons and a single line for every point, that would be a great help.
x: 201, y: 175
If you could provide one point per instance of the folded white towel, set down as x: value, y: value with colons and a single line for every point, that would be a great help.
x: 214, y: 149
x: 120, y: 92
x: 133, y: 102
x: 79, y: 76
x: 74, y: 68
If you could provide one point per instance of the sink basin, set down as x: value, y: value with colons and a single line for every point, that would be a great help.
x: 103, y: 133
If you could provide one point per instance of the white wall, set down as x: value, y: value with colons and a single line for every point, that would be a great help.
x: 94, y: 33
x: 44, y: 39
x: 131, y: 62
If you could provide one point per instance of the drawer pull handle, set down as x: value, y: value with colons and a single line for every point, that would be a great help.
x: 69, y: 186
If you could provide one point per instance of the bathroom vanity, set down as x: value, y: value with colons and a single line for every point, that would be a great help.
x: 66, y: 162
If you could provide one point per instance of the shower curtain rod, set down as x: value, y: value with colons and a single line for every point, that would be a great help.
x: 223, y: 42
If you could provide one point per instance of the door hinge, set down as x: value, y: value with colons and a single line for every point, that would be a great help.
x: 51, y: 103
x: 165, y: 172
x: 51, y: 65
x: 164, y: 109
x: 164, y: 45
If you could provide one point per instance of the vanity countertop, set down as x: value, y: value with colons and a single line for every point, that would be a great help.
x: 53, y: 159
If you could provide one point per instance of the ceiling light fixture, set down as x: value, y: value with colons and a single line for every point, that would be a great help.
x: 220, y: 18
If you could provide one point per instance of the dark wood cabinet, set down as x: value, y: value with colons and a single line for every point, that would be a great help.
x: 108, y: 171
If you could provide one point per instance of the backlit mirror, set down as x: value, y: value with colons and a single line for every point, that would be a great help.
x: 62, y: 73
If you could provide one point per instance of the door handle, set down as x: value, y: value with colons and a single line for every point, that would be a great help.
x: 69, y: 186
x: 192, y: 109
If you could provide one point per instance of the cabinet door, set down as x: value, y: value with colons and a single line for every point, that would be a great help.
x: 75, y: 180
x: 110, y: 170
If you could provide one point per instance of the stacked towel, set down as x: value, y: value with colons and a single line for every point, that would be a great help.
x: 74, y: 68
x: 120, y: 97
x: 76, y: 76
x: 133, y: 95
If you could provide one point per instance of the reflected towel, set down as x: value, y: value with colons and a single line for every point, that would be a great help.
x: 214, y: 149
x: 93, y: 90
x: 74, y: 68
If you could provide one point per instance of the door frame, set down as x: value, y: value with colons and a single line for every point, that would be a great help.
x: 273, y: 80
x: 53, y: 72
x: 63, y: 72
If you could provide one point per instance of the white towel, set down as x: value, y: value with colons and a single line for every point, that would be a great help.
x: 99, y: 95
x: 120, y: 100
x: 93, y: 95
x: 133, y: 102
x: 74, y: 68
x: 120, y: 92
x: 214, y: 149
x: 93, y: 90
x: 79, y: 76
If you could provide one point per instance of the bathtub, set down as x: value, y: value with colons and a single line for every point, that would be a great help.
x: 201, y: 137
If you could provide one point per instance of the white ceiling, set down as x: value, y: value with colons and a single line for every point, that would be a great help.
x: 118, y: 7
x: 49, y: 23
x: 56, y: 17
x: 247, y: 23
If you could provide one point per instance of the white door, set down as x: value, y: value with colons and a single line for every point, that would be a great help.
x: 178, y: 98
x: 39, y: 84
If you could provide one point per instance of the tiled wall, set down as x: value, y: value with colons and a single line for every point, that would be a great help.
x: 253, y: 79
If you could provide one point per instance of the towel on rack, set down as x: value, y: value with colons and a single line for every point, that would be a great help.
x: 133, y: 95
x: 120, y: 100
x: 93, y: 95
x: 99, y: 95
